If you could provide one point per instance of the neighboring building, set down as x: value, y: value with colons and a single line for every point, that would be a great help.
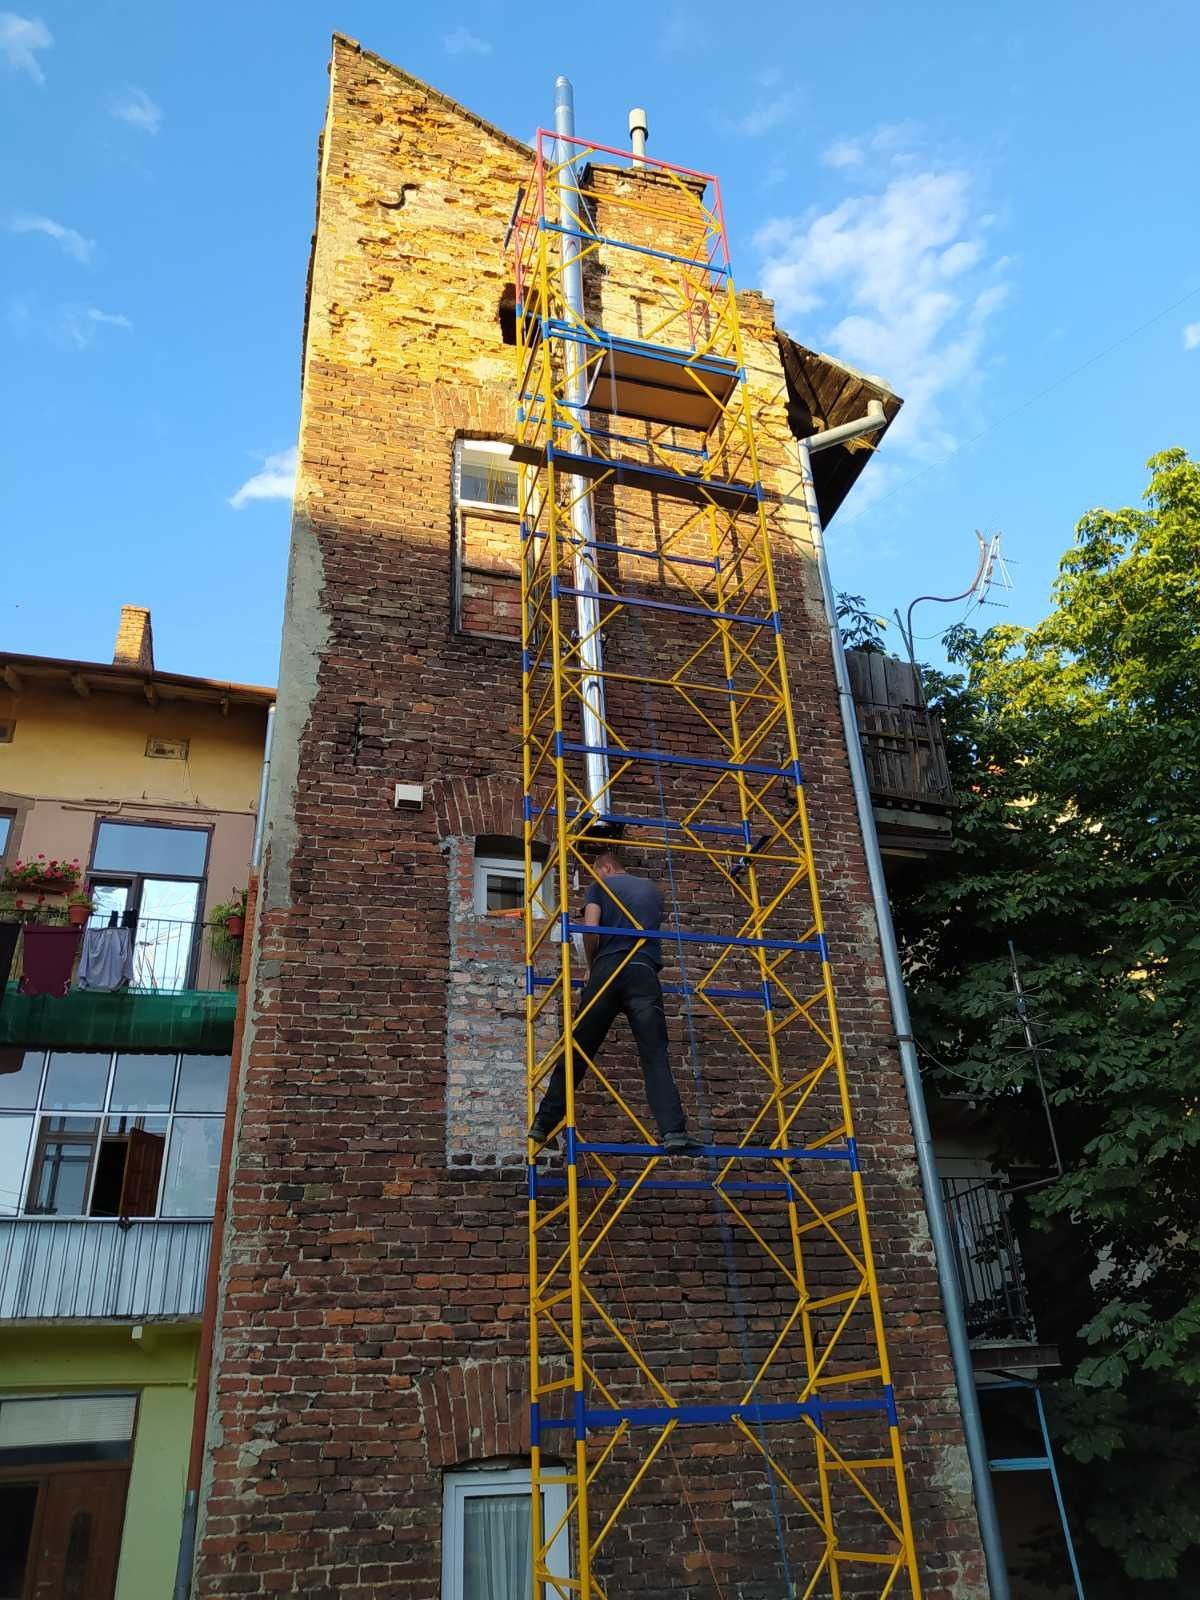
x: 112, y: 1104
x: 368, y: 1427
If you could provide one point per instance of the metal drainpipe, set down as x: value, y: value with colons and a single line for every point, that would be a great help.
x: 939, y: 1228
x: 587, y: 607
x: 260, y: 819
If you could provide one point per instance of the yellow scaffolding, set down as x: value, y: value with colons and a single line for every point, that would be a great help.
x: 661, y: 710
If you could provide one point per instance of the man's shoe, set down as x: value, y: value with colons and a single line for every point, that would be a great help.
x: 681, y: 1144
x: 540, y: 1131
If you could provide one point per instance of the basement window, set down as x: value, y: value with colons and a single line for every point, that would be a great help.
x: 500, y: 879
x: 487, y: 542
x: 486, y: 1545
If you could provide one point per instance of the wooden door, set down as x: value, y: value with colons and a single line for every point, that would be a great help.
x: 77, y: 1536
x: 143, y: 1167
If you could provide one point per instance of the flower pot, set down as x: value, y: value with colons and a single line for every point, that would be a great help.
x: 77, y: 915
x: 235, y: 927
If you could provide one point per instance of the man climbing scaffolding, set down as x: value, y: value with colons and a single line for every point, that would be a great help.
x: 619, y: 982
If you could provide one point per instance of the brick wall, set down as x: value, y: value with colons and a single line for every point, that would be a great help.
x: 372, y: 1323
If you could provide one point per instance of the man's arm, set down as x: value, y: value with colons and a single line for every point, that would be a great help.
x: 591, y: 941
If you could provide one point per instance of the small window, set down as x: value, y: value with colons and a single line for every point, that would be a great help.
x: 6, y: 823
x: 487, y: 573
x: 508, y: 314
x: 500, y: 887
x: 486, y: 474
x: 48, y: 1430
x: 7, y: 728
x: 487, y: 1549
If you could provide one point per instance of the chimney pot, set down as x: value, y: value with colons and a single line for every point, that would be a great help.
x: 135, y: 639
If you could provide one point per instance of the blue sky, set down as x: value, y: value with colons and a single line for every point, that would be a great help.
x: 984, y: 205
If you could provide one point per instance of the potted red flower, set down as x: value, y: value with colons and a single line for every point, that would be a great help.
x: 42, y: 876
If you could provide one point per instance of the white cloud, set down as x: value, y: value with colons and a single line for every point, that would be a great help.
x: 774, y: 106
x: 844, y: 153
x: 898, y: 281
x: 20, y: 40
x: 137, y: 109
x: 1191, y: 336
x: 77, y: 325
x: 74, y: 244
x: 462, y: 42
x: 276, y: 481
x: 894, y: 142
x: 769, y: 114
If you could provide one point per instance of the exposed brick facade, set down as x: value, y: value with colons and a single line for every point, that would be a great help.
x: 372, y: 1325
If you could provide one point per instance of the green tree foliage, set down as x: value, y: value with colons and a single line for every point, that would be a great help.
x: 860, y: 628
x: 1075, y: 747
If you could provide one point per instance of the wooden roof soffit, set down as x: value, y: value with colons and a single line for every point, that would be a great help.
x: 825, y: 393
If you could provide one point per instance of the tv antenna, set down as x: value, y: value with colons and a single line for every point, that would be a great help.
x: 990, y: 573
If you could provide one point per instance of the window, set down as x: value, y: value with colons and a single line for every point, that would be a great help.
x: 77, y: 1426
x: 151, y: 875
x: 486, y: 476
x: 500, y: 879
x: 487, y: 1551
x: 101, y: 1135
x: 6, y: 823
x: 487, y: 578
x: 150, y: 848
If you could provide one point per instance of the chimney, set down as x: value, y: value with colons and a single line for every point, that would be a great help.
x: 135, y: 639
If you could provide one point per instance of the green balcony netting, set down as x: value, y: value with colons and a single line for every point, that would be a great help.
x: 198, y: 1020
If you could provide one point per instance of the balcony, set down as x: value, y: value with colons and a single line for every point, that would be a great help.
x: 988, y: 1258
x: 181, y: 994
x: 905, y: 755
x: 83, y: 1267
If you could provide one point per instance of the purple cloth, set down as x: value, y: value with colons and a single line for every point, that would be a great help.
x: 48, y: 959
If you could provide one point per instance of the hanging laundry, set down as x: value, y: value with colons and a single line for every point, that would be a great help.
x: 49, y: 955
x: 107, y: 959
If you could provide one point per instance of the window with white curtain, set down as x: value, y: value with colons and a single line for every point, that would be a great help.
x: 487, y: 1553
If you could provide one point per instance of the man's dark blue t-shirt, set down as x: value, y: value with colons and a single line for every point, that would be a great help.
x: 645, y: 908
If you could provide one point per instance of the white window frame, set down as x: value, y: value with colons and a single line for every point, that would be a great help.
x: 489, y: 508
x: 461, y: 1486
x: 487, y: 447
x: 510, y: 867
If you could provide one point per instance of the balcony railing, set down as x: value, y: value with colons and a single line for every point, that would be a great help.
x: 81, y: 1267
x: 902, y: 741
x: 172, y: 956
x: 989, y: 1261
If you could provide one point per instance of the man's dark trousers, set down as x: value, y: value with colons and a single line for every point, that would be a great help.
x: 636, y: 991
